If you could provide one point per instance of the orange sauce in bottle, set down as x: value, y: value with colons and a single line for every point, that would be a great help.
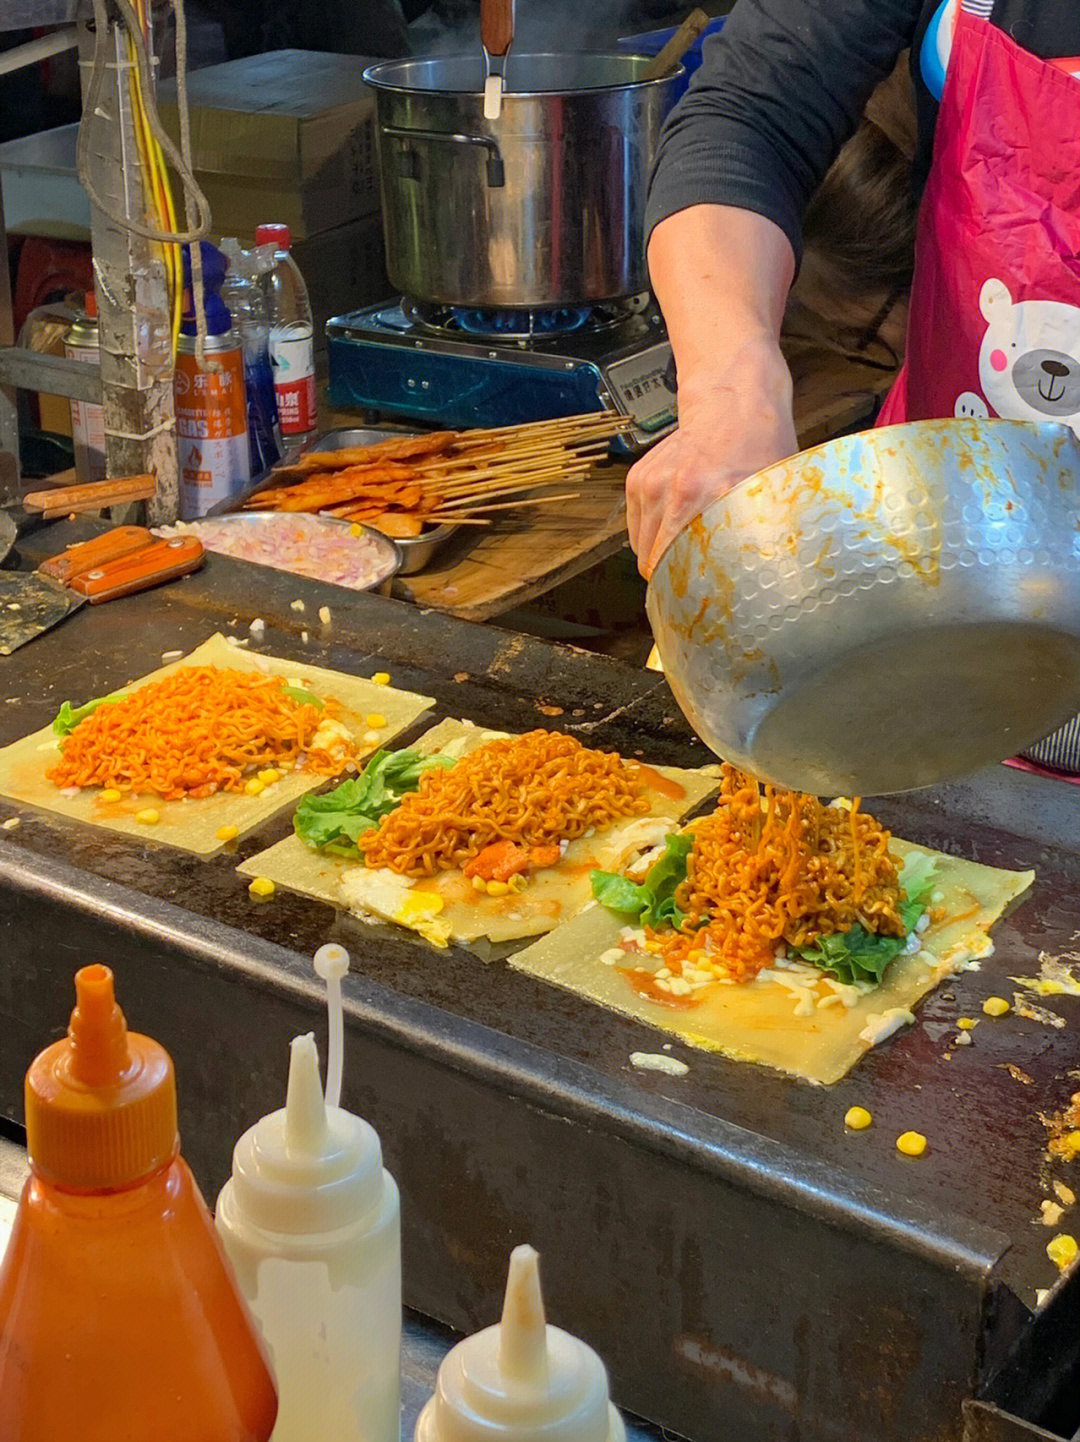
x: 119, y: 1313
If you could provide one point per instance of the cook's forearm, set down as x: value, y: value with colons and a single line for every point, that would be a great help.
x: 721, y: 276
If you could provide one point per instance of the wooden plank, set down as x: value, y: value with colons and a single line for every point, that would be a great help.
x: 483, y: 572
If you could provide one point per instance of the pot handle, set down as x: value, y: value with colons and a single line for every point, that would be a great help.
x: 496, y: 173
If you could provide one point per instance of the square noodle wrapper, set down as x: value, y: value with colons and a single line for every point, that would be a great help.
x: 784, y: 1025
x: 193, y: 824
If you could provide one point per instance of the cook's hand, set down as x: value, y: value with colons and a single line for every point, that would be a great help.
x: 729, y: 427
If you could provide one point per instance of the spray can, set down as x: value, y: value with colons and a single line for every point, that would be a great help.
x: 211, y: 404
x: 87, y: 419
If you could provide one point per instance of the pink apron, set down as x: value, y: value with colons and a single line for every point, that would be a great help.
x: 994, y: 324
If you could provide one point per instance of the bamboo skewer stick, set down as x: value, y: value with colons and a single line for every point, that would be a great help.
x: 475, y: 498
x: 516, y: 456
x: 613, y: 419
x: 550, y: 475
x: 455, y: 516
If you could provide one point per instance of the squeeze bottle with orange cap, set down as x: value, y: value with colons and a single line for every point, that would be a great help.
x: 521, y: 1380
x: 119, y: 1314
x: 310, y: 1220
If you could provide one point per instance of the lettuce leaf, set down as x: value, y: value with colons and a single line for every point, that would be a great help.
x: 859, y: 955
x: 652, y: 901
x: 851, y: 956
x: 69, y: 716
x: 301, y: 697
x: 332, y: 820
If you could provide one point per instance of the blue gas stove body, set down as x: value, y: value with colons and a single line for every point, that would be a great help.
x: 461, y: 368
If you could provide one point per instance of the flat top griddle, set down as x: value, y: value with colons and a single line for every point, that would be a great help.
x: 975, y: 1193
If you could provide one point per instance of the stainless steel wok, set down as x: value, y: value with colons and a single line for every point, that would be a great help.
x: 884, y: 611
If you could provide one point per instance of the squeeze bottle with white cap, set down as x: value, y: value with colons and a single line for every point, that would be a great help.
x: 311, y: 1223
x: 521, y: 1380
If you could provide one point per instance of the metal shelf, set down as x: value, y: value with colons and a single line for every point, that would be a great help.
x: 55, y: 375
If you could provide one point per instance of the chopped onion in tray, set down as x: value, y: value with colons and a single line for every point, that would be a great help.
x: 306, y: 545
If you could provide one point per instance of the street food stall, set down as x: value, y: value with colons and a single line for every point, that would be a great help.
x: 844, y: 1209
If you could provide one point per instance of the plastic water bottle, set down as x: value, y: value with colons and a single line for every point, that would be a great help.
x: 242, y: 292
x: 292, y: 335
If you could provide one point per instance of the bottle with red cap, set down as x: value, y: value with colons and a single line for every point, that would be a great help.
x: 292, y: 335
x: 119, y: 1314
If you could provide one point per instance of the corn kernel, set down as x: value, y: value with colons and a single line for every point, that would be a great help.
x: 857, y: 1119
x: 966, y: 1023
x: 381, y: 678
x: 376, y: 722
x: 268, y: 775
x: 149, y: 817
x: 111, y: 794
x: 1072, y: 1144
x: 996, y: 1006
x: 912, y: 1144
x: 479, y: 884
x: 262, y: 888
x: 356, y: 529
x: 497, y: 888
x: 227, y: 833
x: 254, y: 787
x: 518, y: 881
x: 1062, y: 1250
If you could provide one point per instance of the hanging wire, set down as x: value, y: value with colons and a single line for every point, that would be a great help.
x: 155, y: 146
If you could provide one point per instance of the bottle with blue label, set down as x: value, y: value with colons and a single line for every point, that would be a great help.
x: 242, y: 292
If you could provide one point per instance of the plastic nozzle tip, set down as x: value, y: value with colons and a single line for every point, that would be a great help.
x: 99, y: 1046
x: 523, y: 1330
x: 305, y: 1109
x: 331, y: 961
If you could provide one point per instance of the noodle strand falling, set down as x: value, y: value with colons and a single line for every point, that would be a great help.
x: 790, y: 870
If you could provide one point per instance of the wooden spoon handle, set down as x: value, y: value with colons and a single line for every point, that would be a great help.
x: 497, y: 25
x: 688, y: 32
x: 94, y: 496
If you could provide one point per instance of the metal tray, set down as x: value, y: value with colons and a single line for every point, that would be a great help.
x: 415, y: 552
x: 388, y: 553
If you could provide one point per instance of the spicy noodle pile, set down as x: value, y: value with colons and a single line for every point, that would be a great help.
x: 534, y: 790
x: 199, y: 730
x: 789, y: 870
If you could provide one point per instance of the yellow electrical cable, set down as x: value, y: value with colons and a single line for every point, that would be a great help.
x: 157, y: 189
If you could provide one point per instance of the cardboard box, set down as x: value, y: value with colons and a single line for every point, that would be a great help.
x: 287, y: 136
x: 344, y: 269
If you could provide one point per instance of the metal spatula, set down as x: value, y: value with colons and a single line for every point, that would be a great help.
x: 120, y: 562
x: 496, y: 36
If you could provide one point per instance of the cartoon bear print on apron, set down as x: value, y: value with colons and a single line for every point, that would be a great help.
x: 994, y: 321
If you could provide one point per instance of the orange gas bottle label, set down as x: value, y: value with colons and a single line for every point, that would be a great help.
x: 211, y: 430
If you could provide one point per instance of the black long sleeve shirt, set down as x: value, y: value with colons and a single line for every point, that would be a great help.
x: 784, y: 84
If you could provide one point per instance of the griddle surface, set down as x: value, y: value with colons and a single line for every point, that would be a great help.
x: 978, y: 1185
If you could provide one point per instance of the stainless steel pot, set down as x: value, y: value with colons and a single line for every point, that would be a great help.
x: 882, y: 612
x: 542, y: 207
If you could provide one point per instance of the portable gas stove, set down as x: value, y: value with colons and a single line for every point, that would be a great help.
x: 464, y: 367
